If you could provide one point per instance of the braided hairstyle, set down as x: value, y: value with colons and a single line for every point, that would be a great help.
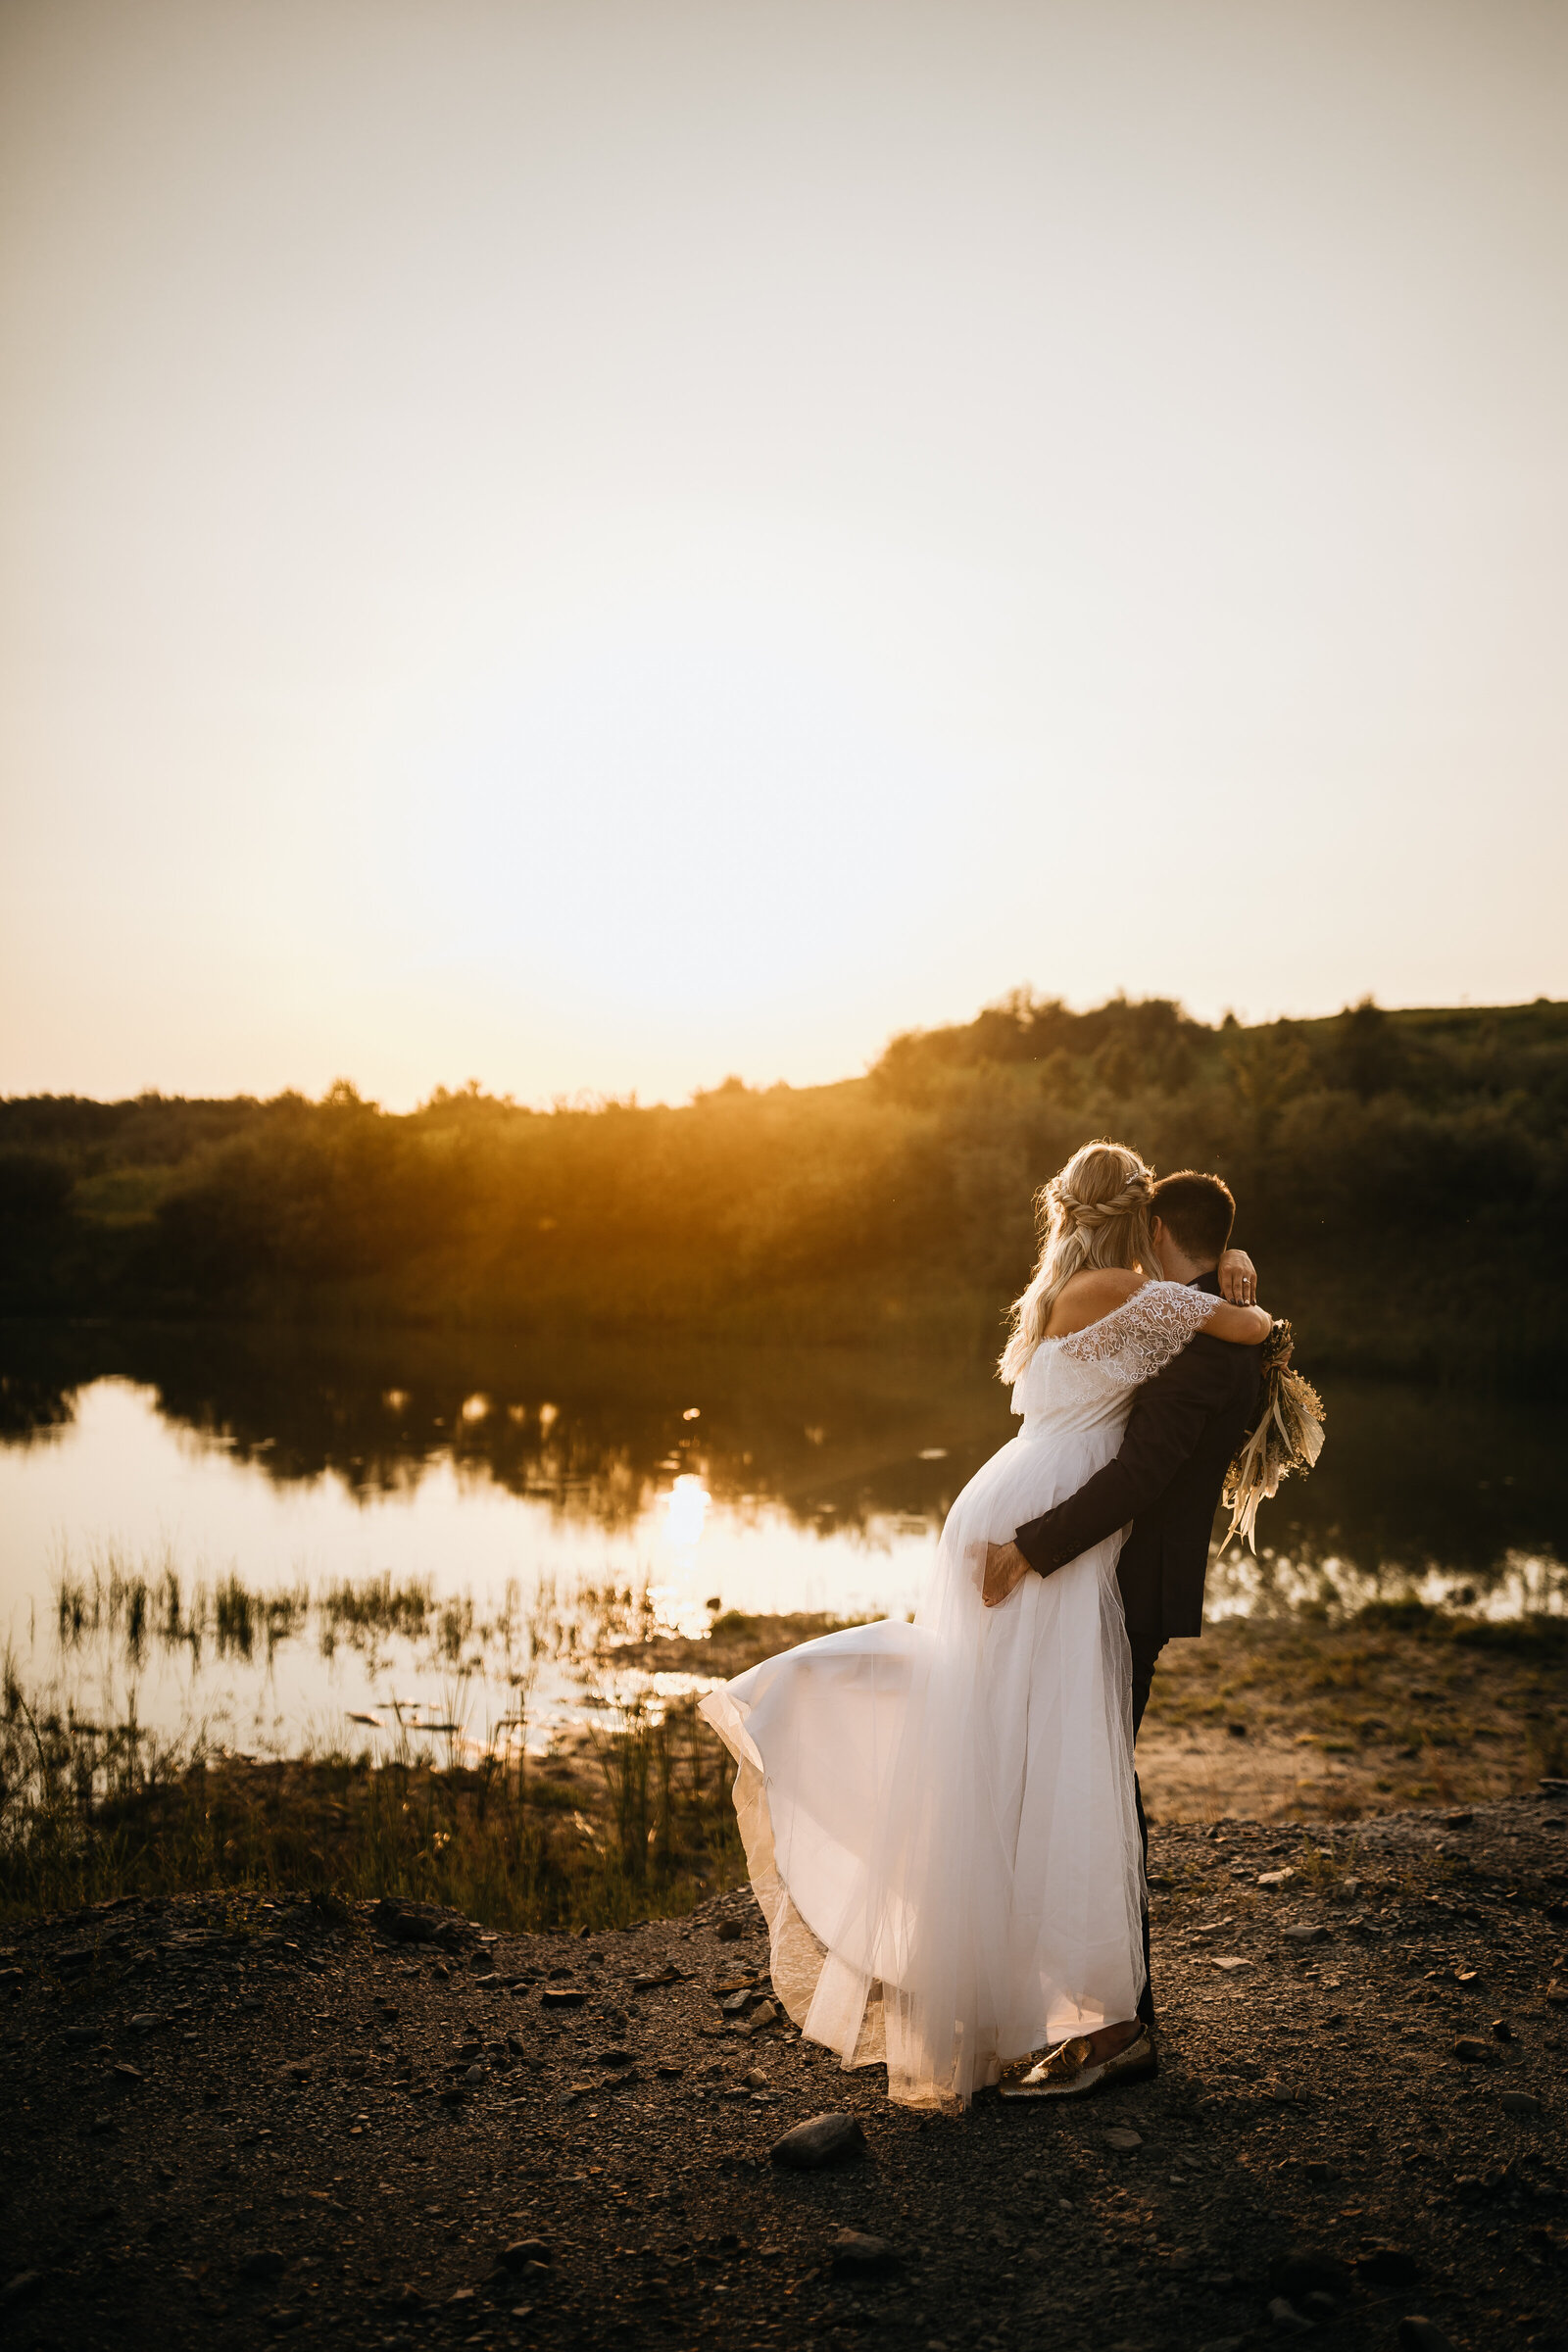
x: 1093, y: 1212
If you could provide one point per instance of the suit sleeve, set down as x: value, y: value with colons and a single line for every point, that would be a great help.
x: 1167, y: 1419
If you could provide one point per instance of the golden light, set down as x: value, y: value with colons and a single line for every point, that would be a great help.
x: 689, y: 1502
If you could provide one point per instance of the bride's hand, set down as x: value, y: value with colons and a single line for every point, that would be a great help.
x: 1238, y: 1278
x: 1005, y: 1570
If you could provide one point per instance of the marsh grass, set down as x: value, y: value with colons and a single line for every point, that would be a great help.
x: 373, y: 1610
x: 117, y: 1603
x: 128, y: 1606
x: 1280, y: 1718
x: 631, y: 1818
x: 86, y: 1815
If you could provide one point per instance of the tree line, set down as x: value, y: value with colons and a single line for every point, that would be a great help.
x: 1400, y: 1179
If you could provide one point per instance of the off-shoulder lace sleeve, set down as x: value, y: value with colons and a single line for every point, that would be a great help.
x: 1139, y: 1339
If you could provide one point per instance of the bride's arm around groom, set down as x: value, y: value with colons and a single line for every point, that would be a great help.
x: 1185, y: 1428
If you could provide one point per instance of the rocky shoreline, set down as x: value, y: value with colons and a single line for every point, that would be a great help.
x: 228, y: 2120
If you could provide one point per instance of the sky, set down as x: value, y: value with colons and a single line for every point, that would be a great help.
x: 598, y: 545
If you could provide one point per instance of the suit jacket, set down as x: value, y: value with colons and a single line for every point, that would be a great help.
x: 1186, y: 1425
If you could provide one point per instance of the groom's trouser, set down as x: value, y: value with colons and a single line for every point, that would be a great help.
x: 1145, y: 1659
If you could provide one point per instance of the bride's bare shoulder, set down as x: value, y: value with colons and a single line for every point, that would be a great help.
x: 1088, y: 1298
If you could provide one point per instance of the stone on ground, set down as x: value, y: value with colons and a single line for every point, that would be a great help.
x: 824, y: 2140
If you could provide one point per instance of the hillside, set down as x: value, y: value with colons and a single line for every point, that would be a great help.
x: 1401, y: 1175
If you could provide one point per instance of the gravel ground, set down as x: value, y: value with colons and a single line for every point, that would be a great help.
x: 225, y: 2121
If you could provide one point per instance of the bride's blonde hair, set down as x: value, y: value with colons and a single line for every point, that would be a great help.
x: 1093, y: 1212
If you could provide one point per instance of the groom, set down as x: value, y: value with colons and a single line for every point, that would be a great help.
x: 1186, y: 1426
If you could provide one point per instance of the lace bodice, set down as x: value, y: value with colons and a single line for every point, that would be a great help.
x: 1092, y: 1373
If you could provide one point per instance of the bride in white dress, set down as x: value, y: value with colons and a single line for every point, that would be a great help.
x: 938, y: 1816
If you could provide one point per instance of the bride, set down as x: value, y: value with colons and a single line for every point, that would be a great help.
x: 938, y: 1817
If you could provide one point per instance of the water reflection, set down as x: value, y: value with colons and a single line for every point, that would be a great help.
x: 1521, y: 1583
x: 395, y: 1528
x: 837, y: 1439
x: 600, y: 1430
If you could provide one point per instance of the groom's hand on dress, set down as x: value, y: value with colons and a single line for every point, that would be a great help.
x: 1005, y: 1570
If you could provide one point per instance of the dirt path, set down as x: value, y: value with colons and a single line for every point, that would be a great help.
x: 228, y: 2123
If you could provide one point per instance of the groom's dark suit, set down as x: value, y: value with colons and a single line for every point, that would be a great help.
x: 1185, y: 1428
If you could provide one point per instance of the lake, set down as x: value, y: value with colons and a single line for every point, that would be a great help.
x: 285, y: 1540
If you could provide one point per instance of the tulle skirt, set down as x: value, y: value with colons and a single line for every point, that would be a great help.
x: 939, y: 1817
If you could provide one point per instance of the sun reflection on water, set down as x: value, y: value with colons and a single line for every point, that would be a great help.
x: 688, y: 1506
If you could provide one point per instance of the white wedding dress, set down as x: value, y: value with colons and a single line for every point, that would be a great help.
x: 938, y: 1816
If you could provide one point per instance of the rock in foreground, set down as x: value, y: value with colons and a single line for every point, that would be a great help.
x: 825, y: 2139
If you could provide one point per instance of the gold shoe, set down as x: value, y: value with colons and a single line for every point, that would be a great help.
x: 1069, y: 2072
x: 1058, y: 2062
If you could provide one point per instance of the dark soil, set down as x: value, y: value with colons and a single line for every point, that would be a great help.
x: 225, y: 2121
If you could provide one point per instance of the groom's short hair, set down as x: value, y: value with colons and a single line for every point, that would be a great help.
x: 1197, y: 1212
